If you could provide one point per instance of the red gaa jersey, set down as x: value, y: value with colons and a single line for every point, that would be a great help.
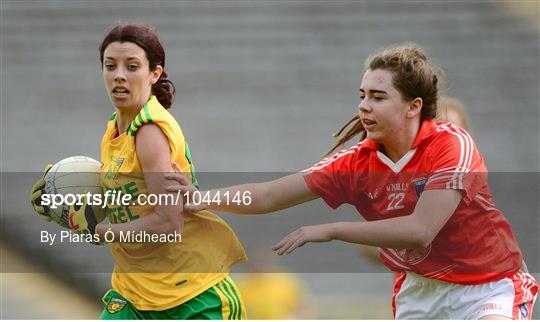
x: 475, y: 246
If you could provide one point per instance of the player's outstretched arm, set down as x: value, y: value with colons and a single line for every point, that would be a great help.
x: 417, y: 230
x: 264, y: 197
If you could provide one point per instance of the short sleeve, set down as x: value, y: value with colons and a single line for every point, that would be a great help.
x: 456, y: 163
x: 330, y: 178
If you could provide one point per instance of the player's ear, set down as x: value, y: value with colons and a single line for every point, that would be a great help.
x: 156, y: 74
x: 414, y: 108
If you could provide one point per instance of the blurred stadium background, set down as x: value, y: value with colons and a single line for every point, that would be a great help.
x: 260, y: 87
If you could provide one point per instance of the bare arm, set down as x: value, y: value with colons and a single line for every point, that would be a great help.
x: 417, y: 230
x: 154, y: 155
x: 266, y: 197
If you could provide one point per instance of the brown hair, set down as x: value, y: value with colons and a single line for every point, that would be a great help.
x: 446, y: 104
x: 413, y: 76
x: 146, y: 38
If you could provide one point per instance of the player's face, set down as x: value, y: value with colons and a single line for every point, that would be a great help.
x: 382, y: 110
x: 127, y: 75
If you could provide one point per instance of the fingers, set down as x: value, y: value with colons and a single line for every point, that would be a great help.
x: 297, y: 244
x: 281, y: 244
x: 177, y: 187
x: 176, y: 167
x: 36, y: 195
x: 91, y: 220
x: 290, y: 243
x: 35, y: 200
x: 178, y: 177
x: 38, y: 186
x: 288, y: 246
x: 47, y: 168
x: 194, y: 208
x: 40, y: 210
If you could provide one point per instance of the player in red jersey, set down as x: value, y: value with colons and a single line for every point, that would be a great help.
x: 422, y: 188
x: 449, y: 109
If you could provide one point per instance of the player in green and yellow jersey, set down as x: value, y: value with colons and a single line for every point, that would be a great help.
x: 187, y: 279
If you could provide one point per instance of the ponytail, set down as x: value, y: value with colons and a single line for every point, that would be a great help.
x: 164, y: 90
x: 356, y: 129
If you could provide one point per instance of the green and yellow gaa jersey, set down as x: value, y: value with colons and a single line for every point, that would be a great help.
x: 159, y: 276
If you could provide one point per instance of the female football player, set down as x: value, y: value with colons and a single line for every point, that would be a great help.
x: 422, y: 188
x: 449, y: 109
x: 185, y: 278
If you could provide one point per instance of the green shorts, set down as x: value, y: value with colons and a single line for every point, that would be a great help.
x: 220, y: 302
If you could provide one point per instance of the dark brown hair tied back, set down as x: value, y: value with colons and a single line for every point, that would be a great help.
x: 145, y: 37
x: 164, y: 90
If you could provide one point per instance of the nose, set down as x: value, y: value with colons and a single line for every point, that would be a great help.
x: 119, y: 76
x: 364, y: 107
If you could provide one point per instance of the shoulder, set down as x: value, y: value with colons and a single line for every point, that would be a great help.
x: 151, y: 138
x: 450, y: 136
x: 451, y: 132
x: 453, y: 146
x: 150, y: 129
x: 152, y: 146
x: 155, y: 120
x: 157, y: 114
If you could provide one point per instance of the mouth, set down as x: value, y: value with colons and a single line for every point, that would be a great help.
x: 368, y: 124
x: 120, y: 92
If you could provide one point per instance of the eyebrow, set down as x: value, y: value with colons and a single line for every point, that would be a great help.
x: 129, y: 58
x: 373, y: 91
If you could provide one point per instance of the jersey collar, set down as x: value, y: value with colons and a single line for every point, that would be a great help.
x: 427, y: 128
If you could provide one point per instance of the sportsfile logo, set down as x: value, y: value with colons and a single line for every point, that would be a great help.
x: 109, y: 198
x: 119, y: 198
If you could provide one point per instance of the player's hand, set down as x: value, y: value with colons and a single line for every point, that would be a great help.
x: 185, y: 187
x: 38, y: 189
x: 301, y: 236
x: 82, y: 218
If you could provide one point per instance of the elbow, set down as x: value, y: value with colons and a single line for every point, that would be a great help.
x: 175, y: 226
x: 170, y: 225
x: 420, y: 237
x: 422, y: 243
x: 170, y: 229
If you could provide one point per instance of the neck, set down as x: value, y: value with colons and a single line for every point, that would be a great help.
x: 401, y: 142
x: 125, y: 117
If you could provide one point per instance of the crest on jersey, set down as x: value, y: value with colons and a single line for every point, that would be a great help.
x: 419, y: 185
x: 414, y: 256
x: 114, y: 167
x: 115, y: 305
x: 524, y: 311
